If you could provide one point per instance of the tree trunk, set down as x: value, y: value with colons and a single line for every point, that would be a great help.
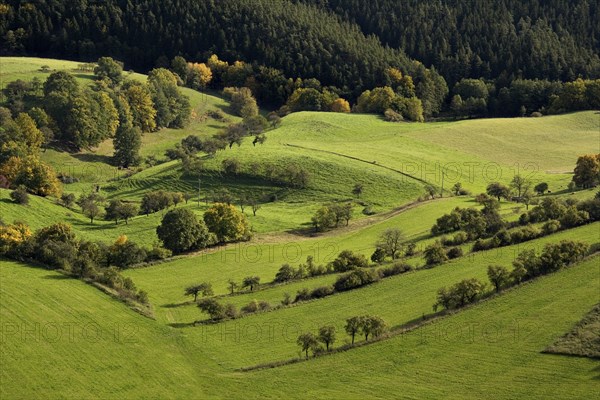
x: 353, y: 339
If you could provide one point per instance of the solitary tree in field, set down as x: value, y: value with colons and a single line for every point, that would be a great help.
x: 499, y: 276
x: 90, y: 205
x: 587, y: 171
x: 254, y: 203
x: 431, y: 191
x: 497, y: 190
x: 251, y: 282
x: 457, y: 188
x: 307, y: 341
x: 327, y: 335
x: 353, y: 326
x: 226, y: 222
x: 204, y: 288
x: 520, y: 185
x: 390, y: 241
x: 180, y: 230
x: 233, y: 285
x: 357, y: 190
x: 541, y: 188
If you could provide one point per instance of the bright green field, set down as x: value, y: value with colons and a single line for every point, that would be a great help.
x: 55, y: 328
x: 62, y: 338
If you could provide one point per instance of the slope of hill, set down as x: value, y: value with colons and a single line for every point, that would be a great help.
x: 107, y: 351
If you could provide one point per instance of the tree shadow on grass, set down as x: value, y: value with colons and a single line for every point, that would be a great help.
x: 58, y: 277
x: 181, y: 325
x: 87, y: 157
x: 597, y: 369
x: 176, y: 305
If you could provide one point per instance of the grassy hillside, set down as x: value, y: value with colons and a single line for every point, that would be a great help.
x: 56, y: 329
x: 398, y: 300
x: 485, y: 347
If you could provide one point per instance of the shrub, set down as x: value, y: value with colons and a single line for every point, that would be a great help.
x: 20, y: 195
x: 124, y: 253
x: 368, y: 210
x: 347, y: 261
x: 321, y: 292
x: 230, y: 311
x: 302, y: 295
x: 524, y: 234
x: 355, y: 279
x: 411, y: 249
x: 67, y: 200
x: 158, y: 253
x: 250, y: 308
x: 213, y: 308
x: 392, y: 116
x: 460, y: 238
x: 435, y: 254
x: 287, y: 299
x: 231, y: 166
x: 454, y: 252
x: 460, y: 294
x: 396, y: 269
x: 592, y: 207
x: 378, y: 255
x: 551, y: 227
x: 285, y: 274
x: 573, y: 218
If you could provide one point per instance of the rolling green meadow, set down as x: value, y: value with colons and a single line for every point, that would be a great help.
x: 64, y: 338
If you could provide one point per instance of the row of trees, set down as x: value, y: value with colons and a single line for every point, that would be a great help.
x: 57, y: 247
x: 331, y: 216
x: 477, y: 97
x: 181, y: 230
x: 528, y: 265
x: 368, y: 325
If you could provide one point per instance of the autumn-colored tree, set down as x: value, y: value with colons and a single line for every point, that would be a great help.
x: 340, y: 106
x: 30, y: 135
x: 37, y: 177
x: 198, y: 75
x: 140, y: 100
x: 218, y: 69
x: 12, y: 236
x: 375, y: 101
x: 587, y: 171
x: 227, y: 223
